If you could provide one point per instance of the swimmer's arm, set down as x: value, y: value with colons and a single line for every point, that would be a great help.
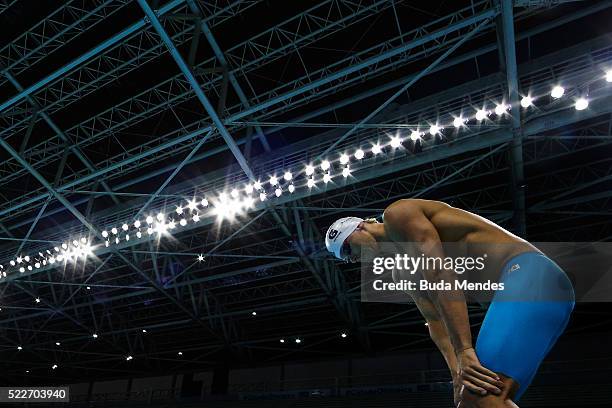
x: 407, y: 223
x: 437, y: 331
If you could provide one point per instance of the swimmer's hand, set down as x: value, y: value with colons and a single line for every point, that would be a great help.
x: 475, y: 377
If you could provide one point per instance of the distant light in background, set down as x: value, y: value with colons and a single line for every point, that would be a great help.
x: 434, y: 130
x: 204, y: 202
x: 526, y: 101
x: 54, y: 366
x: 581, y: 104
x: 326, y: 178
x: 291, y: 188
x: 415, y: 135
x: 288, y: 176
x: 310, y: 183
x: 343, y: 335
x: 123, y: 227
x: 254, y: 313
x: 19, y: 348
x: 309, y: 170
x: 262, y: 196
x: 278, y: 192
x: 136, y: 224
x: 37, y: 300
x: 395, y: 142
x: 129, y: 358
x: 481, y: 114
x: 346, y: 172
x: 557, y: 92
x: 359, y: 154
x: 298, y: 340
x: 144, y: 330
x: 458, y: 122
x: 149, y: 220
x: 95, y: 336
x: 282, y: 340
x: 273, y: 180
x: 57, y: 343
x: 344, y: 158
x: 376, y: 149
x: 200, y: 257
x: 325, y: 165
x: 501, y: 109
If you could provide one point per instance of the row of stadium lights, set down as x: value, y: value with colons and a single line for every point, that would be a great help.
x: 229, y: 205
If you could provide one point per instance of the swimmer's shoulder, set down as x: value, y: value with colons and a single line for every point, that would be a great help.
x: 402, y: 210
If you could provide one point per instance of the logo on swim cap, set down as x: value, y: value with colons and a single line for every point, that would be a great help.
x: 332, y: 234
x: 339, y: 232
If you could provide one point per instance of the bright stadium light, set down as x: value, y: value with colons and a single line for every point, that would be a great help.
x: 257, y: 185
x: 501, y: 109
x: 136, y: 224
x: 149, y: 220
x: 395, y: 142
x: 376, y: 149
x: 114, y: 231
x: 326, y: 178
x: 557, y: 92
x: 288, y: 176
x: 204, y: 202
x: 458, y: 122
x: 526, y: 101
x: 309, y: 170
x: 234, y: 193
x: 183, y: 222
x: 179, y: 210
x: 160, y: 217
x: 273, y: 180
x: 415, y: 135
x: 123, y: 227
x: 105, y: 234
x: 344, y: 158
x: 325, y: 165
x: 262, y: 196
x: 310, y: 183
x: 278, y: 192
x: 298, y: 341
x: 359, y: 154
x: 291, y: 188
x: 581, y: 104
x: 195, y: 218
x: 481, y: 114
x: 346, y: 172
x: 434, y: 130
x: 609, y: 76
x: 248, y: 188
x: 192, y: 205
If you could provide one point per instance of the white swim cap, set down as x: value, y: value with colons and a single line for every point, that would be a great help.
x: 339, y: 232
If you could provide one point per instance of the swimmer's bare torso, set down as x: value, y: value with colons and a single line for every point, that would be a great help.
x: 463, y: 227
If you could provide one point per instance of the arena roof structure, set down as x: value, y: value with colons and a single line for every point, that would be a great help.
x: 169, y: 168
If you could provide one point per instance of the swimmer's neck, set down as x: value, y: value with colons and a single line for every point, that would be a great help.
x: 377, y: 230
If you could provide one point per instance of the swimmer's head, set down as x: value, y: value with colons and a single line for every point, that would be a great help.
x: 349, y: 236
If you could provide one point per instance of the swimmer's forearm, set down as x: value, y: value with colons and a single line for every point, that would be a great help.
x: 439, y: 335
x: 450, y: 304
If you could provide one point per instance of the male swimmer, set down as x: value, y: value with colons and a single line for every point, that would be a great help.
x: 515, y: 335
